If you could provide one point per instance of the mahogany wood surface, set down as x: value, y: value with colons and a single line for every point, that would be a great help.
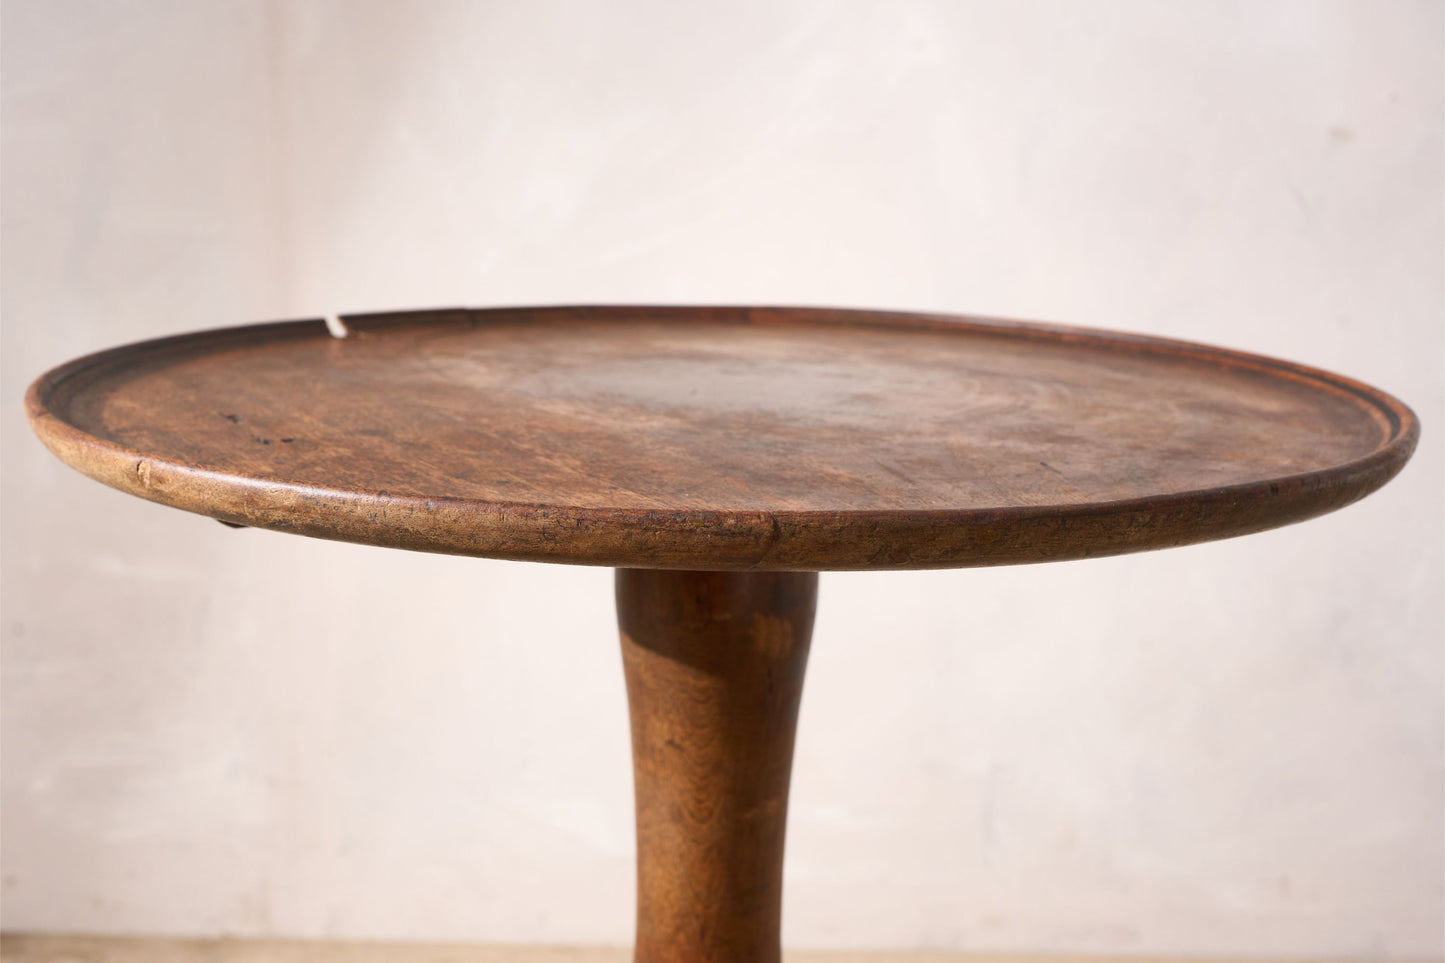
x: 720, y: 457
x: 714, y: 664
x: 722, y: 438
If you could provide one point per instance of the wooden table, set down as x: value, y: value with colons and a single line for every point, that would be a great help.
x: 719, y: 458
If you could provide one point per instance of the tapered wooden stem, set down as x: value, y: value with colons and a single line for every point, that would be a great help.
x: 714, y: 664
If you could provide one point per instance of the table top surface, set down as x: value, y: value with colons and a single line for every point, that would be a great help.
x: 722, y: 438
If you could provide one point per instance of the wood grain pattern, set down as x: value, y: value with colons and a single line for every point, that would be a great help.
x: 719, y: 457
x: 722, y: 438
x: 714, y: 664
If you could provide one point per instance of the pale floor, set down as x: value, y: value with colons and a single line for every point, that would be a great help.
x: 62, y: 949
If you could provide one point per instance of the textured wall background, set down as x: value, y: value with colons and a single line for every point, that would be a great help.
x: 1232, y: 748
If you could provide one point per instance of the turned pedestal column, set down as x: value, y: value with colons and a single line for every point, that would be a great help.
x: 714, y: 664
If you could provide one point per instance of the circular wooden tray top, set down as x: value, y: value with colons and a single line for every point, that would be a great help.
x: 722, y: 438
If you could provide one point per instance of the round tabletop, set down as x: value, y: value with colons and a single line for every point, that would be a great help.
x: 722, y: 438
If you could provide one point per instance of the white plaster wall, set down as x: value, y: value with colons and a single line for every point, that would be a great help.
x: 1231, y: 748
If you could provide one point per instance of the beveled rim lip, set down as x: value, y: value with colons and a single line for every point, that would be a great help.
x: 1369, y: 471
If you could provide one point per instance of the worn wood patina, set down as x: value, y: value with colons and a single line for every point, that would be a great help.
x: 719, y: 458
x: 722, y: 438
